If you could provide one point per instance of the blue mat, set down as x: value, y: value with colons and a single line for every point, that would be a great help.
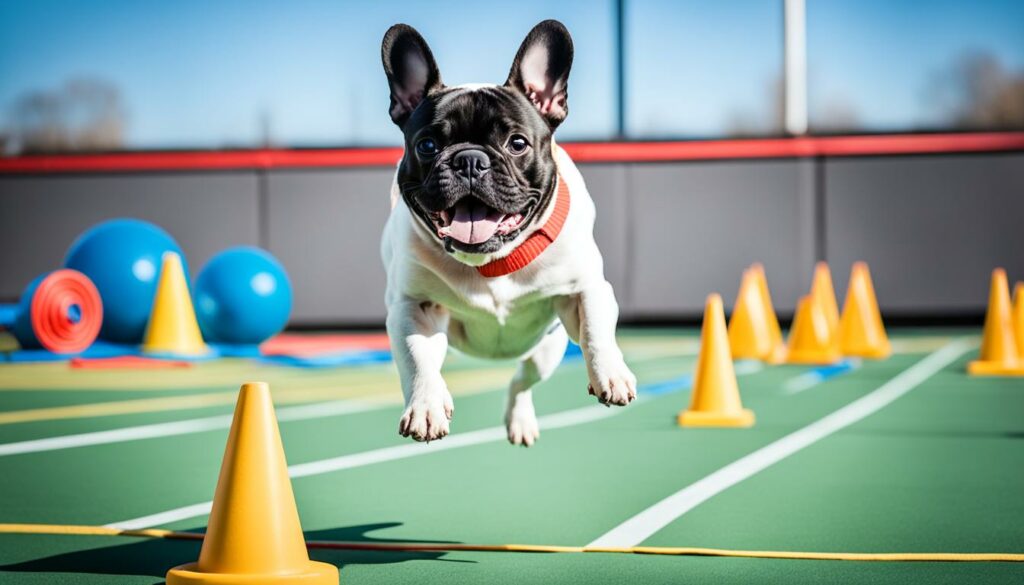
x: 332, y: 360
x: 99, y: 349
x: 104, y: 349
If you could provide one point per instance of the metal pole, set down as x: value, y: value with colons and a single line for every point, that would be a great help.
x: 796, y: 67
x: 620, y: 67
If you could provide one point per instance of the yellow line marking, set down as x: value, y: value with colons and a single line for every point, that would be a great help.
x: 662, y: 347
x: 78, y: 530
x: 226, y: 372
x: 61, y: 529
x: 461, y: 382
x: 381, y: 384
x: 114, y: 408
x: 919, y: 344
x: 297, y: 387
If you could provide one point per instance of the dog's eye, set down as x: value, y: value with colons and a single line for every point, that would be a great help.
x: 517, y: 144
x: 427, y: 147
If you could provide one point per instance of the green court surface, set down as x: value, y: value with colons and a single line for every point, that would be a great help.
x: 930, y: 461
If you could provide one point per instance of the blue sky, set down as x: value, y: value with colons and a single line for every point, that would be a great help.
x: 881, y: 56
x: 203, y: 74
x: 696, y: 65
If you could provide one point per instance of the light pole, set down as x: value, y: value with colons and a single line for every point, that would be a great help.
x: 795, y: 96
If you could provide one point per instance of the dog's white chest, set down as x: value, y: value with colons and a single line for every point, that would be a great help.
x: 501, y: 297
x: 500, y: 319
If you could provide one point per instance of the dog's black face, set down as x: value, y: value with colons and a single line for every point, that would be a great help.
x: 478, y: 168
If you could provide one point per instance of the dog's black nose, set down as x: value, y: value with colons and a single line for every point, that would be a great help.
x: 471, y: 164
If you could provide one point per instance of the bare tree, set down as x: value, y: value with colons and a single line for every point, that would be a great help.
x: 837, y: 115
x: 977, y: 92
x: 81, y: 115
x: 770, y: 118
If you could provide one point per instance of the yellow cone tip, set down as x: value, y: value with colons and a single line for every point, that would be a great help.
x: 778, y: 347
x: 811, y: 339
x: 255, y: 387
x: 821, y: 287
x: 749, y: 329
x: 1017, y: 318
x: 861, y: 331
x: 173, y: 329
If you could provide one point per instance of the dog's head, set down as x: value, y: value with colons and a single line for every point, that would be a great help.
x: 478, y: 169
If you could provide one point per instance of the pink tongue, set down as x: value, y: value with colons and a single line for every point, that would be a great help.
x: 473, y: 223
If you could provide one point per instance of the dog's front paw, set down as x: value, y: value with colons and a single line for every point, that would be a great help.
x: 427, y: 415
x: 521, y: 423
x: 612, y: 381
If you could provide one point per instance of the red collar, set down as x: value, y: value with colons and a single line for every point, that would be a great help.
x: 538, y: 241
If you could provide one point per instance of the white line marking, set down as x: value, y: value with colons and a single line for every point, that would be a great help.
x: 747, y: 367
x: 804, y: 381
x: 183, y: 513
x: 562, y: 419
x: 567, y: 418
x: 495, y: 433
x: 640, y: 527
x: 183, y: 427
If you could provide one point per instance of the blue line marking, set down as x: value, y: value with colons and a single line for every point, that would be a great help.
x: 823, y: 373
x: 666, y: 387
x: 820, y: 374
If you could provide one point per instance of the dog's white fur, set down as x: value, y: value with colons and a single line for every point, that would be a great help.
x: 435, y: 300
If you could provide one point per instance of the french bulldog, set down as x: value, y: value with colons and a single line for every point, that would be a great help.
x: 489, y: 247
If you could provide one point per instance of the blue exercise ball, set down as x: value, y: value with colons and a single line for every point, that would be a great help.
x: 22, y: 326
x: 243, y: 296
x: 122, y: 257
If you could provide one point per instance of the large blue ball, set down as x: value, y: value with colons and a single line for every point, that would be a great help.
x: 243, y: 296
x: 22, y: 327
x: 122, y: 257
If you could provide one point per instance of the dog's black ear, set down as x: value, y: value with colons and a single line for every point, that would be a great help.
x: 541, y: 70
x: 411, y: 70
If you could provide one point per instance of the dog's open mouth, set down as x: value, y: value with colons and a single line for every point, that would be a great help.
x: 472, y: 221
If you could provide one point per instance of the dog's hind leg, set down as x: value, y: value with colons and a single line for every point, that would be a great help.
x: 520, y: 418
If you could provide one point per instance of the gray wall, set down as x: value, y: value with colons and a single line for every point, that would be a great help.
x: 325, y: 227
x: 40, y: 216
x: 695, y: 227
x: 931, y: 227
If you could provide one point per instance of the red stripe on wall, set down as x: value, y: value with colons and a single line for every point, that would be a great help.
x: 796, y: 147
x: 581, y: 152
x: 201, y: 160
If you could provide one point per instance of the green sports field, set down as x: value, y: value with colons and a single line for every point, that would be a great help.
x: 902, y: 455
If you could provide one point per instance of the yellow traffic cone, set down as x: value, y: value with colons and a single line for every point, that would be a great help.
x: 821, y: 287
x: 861, y: 332
x: 1017, y: 315
x: 778, y: 348
x: 810, y: 339
x: 998, y: 355
x: 254, y: 535
x: 173, y: 329
x: 715, y: 399
x: 749, y: 335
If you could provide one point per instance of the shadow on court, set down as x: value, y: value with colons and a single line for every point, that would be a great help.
x: 155, y: 556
